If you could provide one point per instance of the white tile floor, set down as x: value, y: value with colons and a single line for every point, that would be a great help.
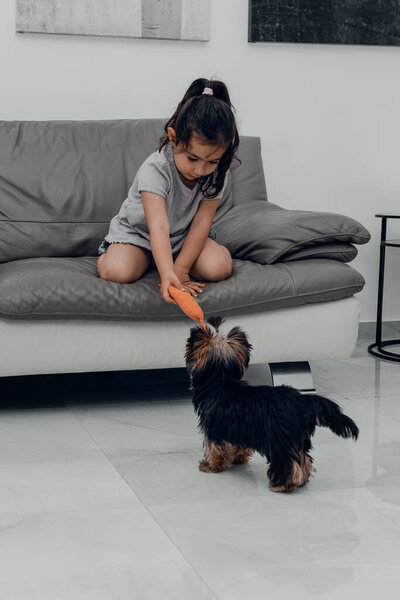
x: 101, y: 498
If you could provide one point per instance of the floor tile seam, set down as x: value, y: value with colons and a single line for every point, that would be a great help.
x: 370, y: 396
x: 55, y: 513
x: 147, y: 453
x: 115, y: 463
x: 381, y: 412
x: 355, y: 400
x: 178, y: 549
x: 33, y: 516
x: 119, y: 421
x: 246, y: 497
x: 312, y: 543
x: 135, y: 495
x: 353, y: 363
x: 349, y: 488
x: 120, y: 476
x: 153, y: 452
x: 371, y: 540
x: 187, y: 560
x: 373, y: 409
x: 354, y: 487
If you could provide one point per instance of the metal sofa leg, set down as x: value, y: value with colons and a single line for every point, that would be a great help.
x: 296, y: 374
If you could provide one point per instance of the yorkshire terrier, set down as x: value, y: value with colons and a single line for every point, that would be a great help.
x: 238, y: 419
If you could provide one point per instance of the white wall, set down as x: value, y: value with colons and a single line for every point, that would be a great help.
x: 328, y: 116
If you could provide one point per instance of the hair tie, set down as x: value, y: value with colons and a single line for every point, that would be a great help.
x: 208, y: 91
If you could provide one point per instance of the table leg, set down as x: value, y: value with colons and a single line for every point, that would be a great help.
x: 378, y: 336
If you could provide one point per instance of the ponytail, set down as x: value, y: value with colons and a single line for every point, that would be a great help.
x: 209, y: 114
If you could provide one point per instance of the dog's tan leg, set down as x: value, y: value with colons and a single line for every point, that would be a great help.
x: 241, y: 455
x: 306, y: 467
x: 216, y: 457
x: 299, y: 476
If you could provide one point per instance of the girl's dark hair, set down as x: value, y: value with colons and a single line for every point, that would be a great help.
x: 211, y: 118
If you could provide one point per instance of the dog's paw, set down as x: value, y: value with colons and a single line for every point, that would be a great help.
x: 205, y: 467
x: 282, y: 489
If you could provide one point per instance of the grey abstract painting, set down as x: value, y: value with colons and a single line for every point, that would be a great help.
x: 162, y: 19
x: 374, y: 22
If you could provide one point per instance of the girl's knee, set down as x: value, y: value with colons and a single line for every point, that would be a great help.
x: 228, y: 259
x: 218, y: 267
x: 116, y: 273
x: 223, y: 269
x: 123, y: 263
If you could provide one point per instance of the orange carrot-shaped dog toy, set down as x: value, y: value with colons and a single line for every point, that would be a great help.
x: 187, y: 304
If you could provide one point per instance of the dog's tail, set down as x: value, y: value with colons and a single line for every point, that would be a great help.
x: 329, y: 414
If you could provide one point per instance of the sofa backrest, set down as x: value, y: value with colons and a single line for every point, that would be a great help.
x: 61, y: 182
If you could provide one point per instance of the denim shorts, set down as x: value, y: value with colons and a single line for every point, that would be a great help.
x: 102, y: 249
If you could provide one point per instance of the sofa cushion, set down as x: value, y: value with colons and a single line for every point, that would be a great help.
x: 61, y: 182
x: 264, y: 232
x: 69, y: 287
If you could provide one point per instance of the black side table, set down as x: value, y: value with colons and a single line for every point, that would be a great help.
x: 377, y: 349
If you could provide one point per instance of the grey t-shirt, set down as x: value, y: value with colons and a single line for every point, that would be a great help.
x: 159, y: 175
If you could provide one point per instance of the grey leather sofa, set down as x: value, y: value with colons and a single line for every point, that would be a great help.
x: 61, y: 182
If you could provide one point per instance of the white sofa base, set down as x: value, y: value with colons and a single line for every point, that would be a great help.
x: 314, y: 331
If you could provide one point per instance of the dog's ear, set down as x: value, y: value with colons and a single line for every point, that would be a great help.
x: 197, y: 347
x: 198, y: 333
x: 215, y: 322
x: 237, y: 339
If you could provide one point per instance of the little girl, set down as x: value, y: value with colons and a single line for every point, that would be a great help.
x: 167, y: 216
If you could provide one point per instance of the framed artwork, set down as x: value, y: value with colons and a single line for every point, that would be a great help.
x: 373, y: 22
x: 160, y: 19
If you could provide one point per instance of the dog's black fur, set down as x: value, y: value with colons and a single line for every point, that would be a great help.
x: 238, y: 419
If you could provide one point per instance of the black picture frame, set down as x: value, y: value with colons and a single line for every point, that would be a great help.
x: 369, y: 22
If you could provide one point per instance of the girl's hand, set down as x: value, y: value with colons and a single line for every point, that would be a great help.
x: 167, y: 279
x: 193, y: 287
